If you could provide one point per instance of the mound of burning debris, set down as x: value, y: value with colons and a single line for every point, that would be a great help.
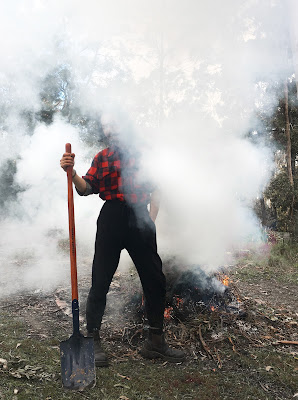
x: 191, y: 291
x: 207, y: 314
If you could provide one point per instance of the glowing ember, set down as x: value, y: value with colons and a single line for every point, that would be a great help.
x: 168, y: 313
x: 179, y: 301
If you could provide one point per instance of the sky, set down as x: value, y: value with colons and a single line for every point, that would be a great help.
x: 185, y: 75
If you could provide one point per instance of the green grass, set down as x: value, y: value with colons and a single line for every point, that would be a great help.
x: 243, y: 375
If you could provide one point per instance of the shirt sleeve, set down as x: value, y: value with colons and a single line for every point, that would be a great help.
x: 92, y: 175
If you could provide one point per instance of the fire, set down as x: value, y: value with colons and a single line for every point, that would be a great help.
x: 225, y: 280
x: 168, y: 313
x: 179, y: 301
x: 169, y: 310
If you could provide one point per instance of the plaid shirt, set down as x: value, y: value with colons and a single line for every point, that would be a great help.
x: 113, y: 175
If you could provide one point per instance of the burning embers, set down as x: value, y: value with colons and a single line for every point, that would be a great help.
x: 190, y: 291
x: 225, y: 280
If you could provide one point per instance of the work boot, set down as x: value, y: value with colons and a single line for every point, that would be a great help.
x: 156, y: 347
x: 100, y: 356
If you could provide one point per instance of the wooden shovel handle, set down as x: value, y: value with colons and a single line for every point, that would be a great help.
x: 72, y: 234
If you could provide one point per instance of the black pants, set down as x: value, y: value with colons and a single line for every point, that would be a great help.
x: 122, y: 226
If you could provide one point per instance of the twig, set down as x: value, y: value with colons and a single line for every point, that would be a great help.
x: 118, y: 358
x: 252, y: 340
x: 83, y: 395
x: 219, y: 363
x: 205, y: 347
x: 232, y: 343
x: 133, y: 336
x: 239, y: 296
x: 295, y: 342
x: 89, y: 396
x: 263, y: 387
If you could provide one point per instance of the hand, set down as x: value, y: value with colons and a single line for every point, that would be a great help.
x: 67, y: 160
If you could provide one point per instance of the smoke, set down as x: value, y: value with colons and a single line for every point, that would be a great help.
x: 185, y: 75
x: 208, y: 186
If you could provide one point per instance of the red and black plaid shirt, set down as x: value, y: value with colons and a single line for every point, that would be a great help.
x: 113, y: 174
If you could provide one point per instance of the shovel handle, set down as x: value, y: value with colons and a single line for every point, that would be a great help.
x: 72, y: 234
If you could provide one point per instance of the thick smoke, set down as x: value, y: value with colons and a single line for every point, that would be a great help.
x: 186, y: 76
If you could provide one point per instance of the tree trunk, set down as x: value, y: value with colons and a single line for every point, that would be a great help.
x: 288, y: 136
x: 161, y: 81
x: 293, y: 30
x: 288, y: 150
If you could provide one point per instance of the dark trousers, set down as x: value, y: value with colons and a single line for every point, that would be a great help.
x: 121, y: 226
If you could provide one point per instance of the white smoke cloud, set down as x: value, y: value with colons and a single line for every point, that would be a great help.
x: 209, y: 179
x: 36, y: 222
x: 207, y: 58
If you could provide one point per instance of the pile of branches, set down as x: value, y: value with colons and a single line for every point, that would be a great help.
x: 205, y: 332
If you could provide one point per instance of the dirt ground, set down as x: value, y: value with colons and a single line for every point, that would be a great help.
x: 44, y: 315
x: 271, y: 292
x: 215, y: 342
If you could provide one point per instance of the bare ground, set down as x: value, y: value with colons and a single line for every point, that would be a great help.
x: 225, y: 345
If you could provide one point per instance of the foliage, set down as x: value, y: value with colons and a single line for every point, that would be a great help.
x: 281, y: 194
x: 58, y: 96
x: 282, y: 213
x: 278, y: 121
x: 8, y: 187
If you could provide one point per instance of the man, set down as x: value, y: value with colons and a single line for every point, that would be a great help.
x: 124, y: 222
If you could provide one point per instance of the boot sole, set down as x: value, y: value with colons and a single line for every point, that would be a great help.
x: 151, y: 355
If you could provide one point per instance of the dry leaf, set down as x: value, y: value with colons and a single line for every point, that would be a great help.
x: 268, y: 368
x: 121, y: 385
x: 124, y: 377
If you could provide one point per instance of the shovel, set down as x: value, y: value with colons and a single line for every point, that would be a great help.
x: 76, y: 353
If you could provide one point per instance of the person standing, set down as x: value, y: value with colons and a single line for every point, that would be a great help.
x: 124, y: 222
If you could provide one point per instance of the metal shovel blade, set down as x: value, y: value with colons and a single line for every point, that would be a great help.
x: 77, y: 362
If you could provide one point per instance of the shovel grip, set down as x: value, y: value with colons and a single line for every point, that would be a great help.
x: 72, y: 235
